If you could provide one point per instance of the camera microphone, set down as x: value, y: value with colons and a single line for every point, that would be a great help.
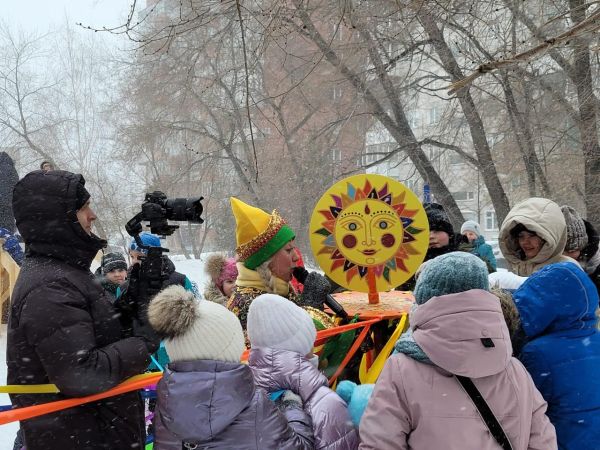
x: 300, y: 273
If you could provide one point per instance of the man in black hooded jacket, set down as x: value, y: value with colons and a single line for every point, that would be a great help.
x: 64, y: 330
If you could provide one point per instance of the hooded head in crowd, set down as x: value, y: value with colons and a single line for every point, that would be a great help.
x: 222, y: 272
x: 533, y: 235
x: 53, y: 214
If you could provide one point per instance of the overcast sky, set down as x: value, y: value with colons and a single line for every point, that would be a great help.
x: 41, y: 15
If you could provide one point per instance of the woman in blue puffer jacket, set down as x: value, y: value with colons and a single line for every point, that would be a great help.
x: 557, y: 308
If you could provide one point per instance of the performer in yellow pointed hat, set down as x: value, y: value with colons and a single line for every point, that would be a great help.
x: 266, y: 257
x: 259, y: 235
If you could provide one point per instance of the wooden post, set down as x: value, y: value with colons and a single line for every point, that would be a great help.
x: 372, y: 283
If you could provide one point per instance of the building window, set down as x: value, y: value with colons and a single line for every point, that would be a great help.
x: 337, y: 155
x: 413, y: 119
x: 369, y: 158
x: 413, y: 185
x: 515, y: 181
x: 433, y: 153
x: 463, y: 195
x: 456, y: 159
x: 491, y: 224
x: 338, y: 31
x: 336, y: 94
x: 434, y: 115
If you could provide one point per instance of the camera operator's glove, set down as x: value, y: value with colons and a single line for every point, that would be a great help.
x: 134, y: 294
x: 316, y: 288
x: 142, y: 329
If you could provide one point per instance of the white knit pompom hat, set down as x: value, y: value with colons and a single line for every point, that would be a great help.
x: 275, y: 322
x: 195, y: 329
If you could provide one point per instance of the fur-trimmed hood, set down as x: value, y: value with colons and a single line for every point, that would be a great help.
x: 544, y: 218
x: 220, y: 269
x: 214, y: 265
x: 213, y: 294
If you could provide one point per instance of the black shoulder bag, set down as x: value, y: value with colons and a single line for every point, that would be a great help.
x: 485, y: 412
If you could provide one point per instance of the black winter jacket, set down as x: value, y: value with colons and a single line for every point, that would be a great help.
x: 64, y: 330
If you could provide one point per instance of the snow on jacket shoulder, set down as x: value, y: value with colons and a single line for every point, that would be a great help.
x: 216, y: 405
x: 422, y: 406
x: 279, y: 369
x: 543, y: 217
x: 557, y: 308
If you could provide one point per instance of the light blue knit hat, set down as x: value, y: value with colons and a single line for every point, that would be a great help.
x: 450, y: 274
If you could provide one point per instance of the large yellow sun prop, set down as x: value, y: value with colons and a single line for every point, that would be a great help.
x: 369, y: 233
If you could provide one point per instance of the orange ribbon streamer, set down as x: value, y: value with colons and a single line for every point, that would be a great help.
x: 29, y: 412
x: 145, y: 380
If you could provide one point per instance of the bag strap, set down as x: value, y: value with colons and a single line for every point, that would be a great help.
x: 485, y: 412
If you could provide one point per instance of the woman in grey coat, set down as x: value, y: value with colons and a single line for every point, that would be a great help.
x: 207, y: 399
x: 282, y: 337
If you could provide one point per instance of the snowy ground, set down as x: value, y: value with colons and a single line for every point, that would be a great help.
x: 193, y: 268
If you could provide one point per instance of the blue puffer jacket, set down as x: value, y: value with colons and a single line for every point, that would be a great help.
x: 484, y: 251
x: 557, y: 307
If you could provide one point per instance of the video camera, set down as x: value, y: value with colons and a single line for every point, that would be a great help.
x: 157, y: 209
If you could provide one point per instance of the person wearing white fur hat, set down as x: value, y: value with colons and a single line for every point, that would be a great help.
x: 207, y: 398
x: 282, y: 336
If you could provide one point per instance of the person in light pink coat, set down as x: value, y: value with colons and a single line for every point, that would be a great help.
x: 457, y: 328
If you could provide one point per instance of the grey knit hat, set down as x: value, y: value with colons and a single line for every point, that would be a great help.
x: 450, y: 274
x: 470, y: 225
x: 577, y: 238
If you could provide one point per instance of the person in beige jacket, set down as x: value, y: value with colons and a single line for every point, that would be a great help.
x: 533, y: 235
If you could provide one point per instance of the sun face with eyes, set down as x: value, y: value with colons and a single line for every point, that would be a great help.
x: 369, y: 227
x: 368, y: 233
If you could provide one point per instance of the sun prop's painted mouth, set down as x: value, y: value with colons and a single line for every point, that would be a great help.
x: 369, y: 252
